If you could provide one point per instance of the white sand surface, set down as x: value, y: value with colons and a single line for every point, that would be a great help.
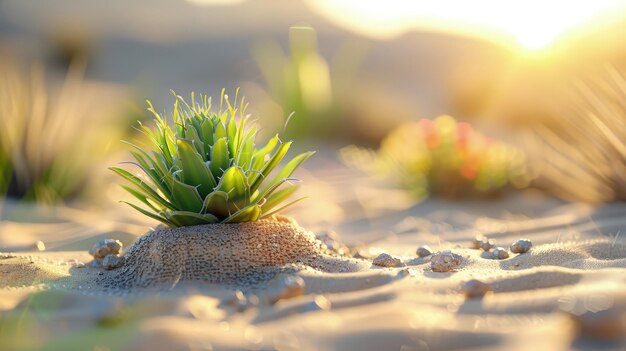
x: 568, y: 292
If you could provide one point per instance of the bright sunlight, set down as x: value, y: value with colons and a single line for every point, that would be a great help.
x: 529, y: 24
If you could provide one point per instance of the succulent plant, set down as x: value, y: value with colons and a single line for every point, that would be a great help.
x: 207, y: 168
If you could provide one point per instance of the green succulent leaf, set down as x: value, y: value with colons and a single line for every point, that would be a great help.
x: 291, y: 166
x: 219, y: 157
x: 195, y: 171
x: 248, y: 214
x: 269, y: 166
x: 186, y: 196
x: 185, y: 218
x: 205, y: 168
x: 235, y: 184
x: 145, y: 188
x: 269, y: 214
x: 148, y: 213
x: 277, y: 197
x: 217, y: 204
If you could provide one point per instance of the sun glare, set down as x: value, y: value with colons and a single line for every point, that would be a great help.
x: 530, y: 24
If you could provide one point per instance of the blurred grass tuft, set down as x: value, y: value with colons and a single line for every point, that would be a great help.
x: 304, y: 82
x: 50, y: 141
x: 582, y: 155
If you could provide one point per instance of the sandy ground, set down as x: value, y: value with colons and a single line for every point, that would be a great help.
x: 567, y: 293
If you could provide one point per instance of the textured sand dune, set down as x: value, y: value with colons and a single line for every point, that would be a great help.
x: 566, y: 293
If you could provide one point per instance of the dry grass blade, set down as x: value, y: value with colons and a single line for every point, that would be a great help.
x: 583, y: 156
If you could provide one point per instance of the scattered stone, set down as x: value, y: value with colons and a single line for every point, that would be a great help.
x: 423, y: 251
x: 331, y: 240
x: 39, y: 246
x: 475, y: 289
x: 386, y: 260
x: 487, y: 244
x: 521, y: 246
x: 476, y: 243
x: 112, y: 262
x: 285, y: 287
x: 253, y: 300
x: 95, y: 263
x: 445, y: 261
x: 500, y: 253
x: 79, y: 264
x: 106, y: 247
x: 406, y: 272
x: 238, y: 300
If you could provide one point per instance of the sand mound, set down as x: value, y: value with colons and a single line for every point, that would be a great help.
x: 240, y: 253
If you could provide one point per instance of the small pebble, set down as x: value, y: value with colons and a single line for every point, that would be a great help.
x: 106, y: 247
x: 444, y: 261
x: 112, y: 262
x: 95, y: 263
x: 500, y: 253
x: 476, y: 243
x: 475, y: 289
x: 238, y: 300
x: 487, y: 244
x: 386, y: 260
x: 331, y: 240
x: 285, y: 287
x: 406, y: 272
x: 39, y: 246
x: 521, y: 246
x: 423, y: 251
x: 253, y: 300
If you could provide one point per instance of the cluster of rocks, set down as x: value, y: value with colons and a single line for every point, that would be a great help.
x: 106, y: 254
x: 499, y: 253
x: 444, y: 261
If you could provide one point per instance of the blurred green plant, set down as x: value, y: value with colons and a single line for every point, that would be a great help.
x: 581, y: 154
x: 305, y: 83
x: 441, y: 157
x: 207, y: 169
x: 49, y: 143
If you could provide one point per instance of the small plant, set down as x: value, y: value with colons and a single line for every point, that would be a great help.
x: 50, y: 143
x: 207, y: 169
x: 441, y: 157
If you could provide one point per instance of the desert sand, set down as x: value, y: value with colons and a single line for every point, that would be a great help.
x: 568, y: 292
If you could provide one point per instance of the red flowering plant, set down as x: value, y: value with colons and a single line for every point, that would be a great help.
x: 442, y: 157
